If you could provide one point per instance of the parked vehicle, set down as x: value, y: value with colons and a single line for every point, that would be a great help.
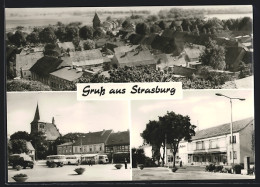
x: 22, y: 160
x: 93, y: 158
x: 55, y: 160
x: 73, y: 159
x: 103, y: 159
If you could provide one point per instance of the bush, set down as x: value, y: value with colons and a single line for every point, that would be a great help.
x: 20, y: 175
x: 141, y: 166
x: 79, y: 170
x: 210, y: 167
x: 118, y: 166
x: 18, y: 167
x: 218, y: 169
x: 174, y: 169
x: 226, y: 170
x: 237, y: 168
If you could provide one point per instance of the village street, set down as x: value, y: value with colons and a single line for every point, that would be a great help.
x: 186, y: 173
x: 41, y: 173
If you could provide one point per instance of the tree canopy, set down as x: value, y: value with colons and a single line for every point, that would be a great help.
x: 214, y: 55
x: 86, y: 32
x: 20, y: 135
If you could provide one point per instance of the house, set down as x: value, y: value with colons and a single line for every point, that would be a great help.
x: 66, y: 46
x: 118, y: 142
x: 50, y: 130
x: 193, y: 52
x: 92, y: 142
x: 86, y: 58
x: 24, y: 62
x: 134, y: 58
x: 31, y: 149
x: 65, y: 149
x: 213, y: 145
x: 125, y: 48
x: 64, y: 77
x: 41, y: 70
x: 168, y: 60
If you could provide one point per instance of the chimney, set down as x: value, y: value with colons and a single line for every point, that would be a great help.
x: 53, y: 121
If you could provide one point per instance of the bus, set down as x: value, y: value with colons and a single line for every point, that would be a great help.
x: 55, y: 160
x: 73, y: 159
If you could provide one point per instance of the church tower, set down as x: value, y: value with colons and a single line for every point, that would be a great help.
x: 96, y: 21
x: 36, y: 119
x: 50, y: 130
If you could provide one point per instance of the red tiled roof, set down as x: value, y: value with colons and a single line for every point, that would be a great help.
x: 119, y: 138
x: 222, y: 129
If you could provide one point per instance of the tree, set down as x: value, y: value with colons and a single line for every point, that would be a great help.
x: 142, y: 29
x: 86, y: 32
x: 176, y: 127
x: 20, y: 135
x: 71, y: 33
x: 152, y: 18
x: 162, y: 25
x: 138, y: 157
x: 154, y: 136
x: 99, y: 33
x: 33, y: 37
x: 246, y: 24
x: 47, y: 35
x: 61, y: 33
x: 214, y: 55
x: 19, y: 146
x: 155, y: 28
x: 89, y: 44
x: 18, y: 38
x: 40, y: 144
x: 126, y: 24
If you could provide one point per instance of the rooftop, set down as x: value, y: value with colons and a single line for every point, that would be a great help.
x: 223, y: 129
x: 119, y: 138
x: 68, y: 73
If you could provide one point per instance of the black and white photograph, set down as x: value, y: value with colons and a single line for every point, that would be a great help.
x: 54, y: 138
x: 204, y: 47
x: 190, y: 139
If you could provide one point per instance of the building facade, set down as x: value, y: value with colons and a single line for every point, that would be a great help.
x: 118, y: 142
x: 65, y: 149
x: 213, y: 145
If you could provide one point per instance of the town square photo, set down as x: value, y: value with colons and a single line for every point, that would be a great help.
x: 204, y: 47
x: 52, y: 137
x: 190, y: 139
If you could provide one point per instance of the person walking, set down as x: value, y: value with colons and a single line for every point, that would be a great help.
x: 125, y: 163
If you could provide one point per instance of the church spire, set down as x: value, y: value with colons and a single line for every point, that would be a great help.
x: 36, y: 115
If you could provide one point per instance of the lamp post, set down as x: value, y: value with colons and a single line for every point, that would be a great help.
x: 231, y: 122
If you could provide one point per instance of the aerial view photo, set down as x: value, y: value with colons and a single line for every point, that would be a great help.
x: 204, y: 47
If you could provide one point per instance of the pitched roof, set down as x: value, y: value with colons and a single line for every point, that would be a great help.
x: 143, y: 57
x: 119, y: 138
x: 94, y: 138
x: 29, y: 146
x: 45, y: 65
x: 51, y: 131
x: 88, y: 57
x: 194, y: 51
x: 96, y: 18
x: 125, y: 48
x: 37, y: 114
x: 66, y: 45
x: 222, y: 129
x: 26, y: 61
x: 65, y: 144
x: 67, y: 73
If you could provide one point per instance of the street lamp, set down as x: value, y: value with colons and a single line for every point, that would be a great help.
x: 231, y: 122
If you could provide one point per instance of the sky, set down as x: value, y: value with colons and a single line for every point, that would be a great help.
x: 153, y: 9
x: 203, y: 106
x: 70, y: 115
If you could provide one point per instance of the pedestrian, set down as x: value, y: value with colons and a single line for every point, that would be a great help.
x: 180, y: 163
x: 125, y: 163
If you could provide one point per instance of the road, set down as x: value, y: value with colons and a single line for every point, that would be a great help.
x: 41, y: 173
x: 190, y: 173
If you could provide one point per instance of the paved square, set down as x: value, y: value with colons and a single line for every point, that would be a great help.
x: 189, y: 173
x: 41, y: 173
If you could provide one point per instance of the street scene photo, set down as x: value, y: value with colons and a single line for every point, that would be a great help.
x: 204, y: 47
x: 208, y: 135
x: 52, y: 137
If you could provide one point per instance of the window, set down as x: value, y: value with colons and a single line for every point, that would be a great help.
x: 100, y: 148
x: 235, y: 155
x: 90, y: 149
x: 234, y: 139
x: 199, y: 145
x: 230, y: 155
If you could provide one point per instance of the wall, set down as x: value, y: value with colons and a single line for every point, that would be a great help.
x: 86, y: 148
x: 184, y: 71
x: 246, y: 139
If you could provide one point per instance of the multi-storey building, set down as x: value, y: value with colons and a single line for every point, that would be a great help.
x: 213, y: 145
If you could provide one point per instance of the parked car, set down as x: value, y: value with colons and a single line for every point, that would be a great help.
x: 55, y: 160
x: 73, y: 159
x: 22, y: 160
x: 103, y: 159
